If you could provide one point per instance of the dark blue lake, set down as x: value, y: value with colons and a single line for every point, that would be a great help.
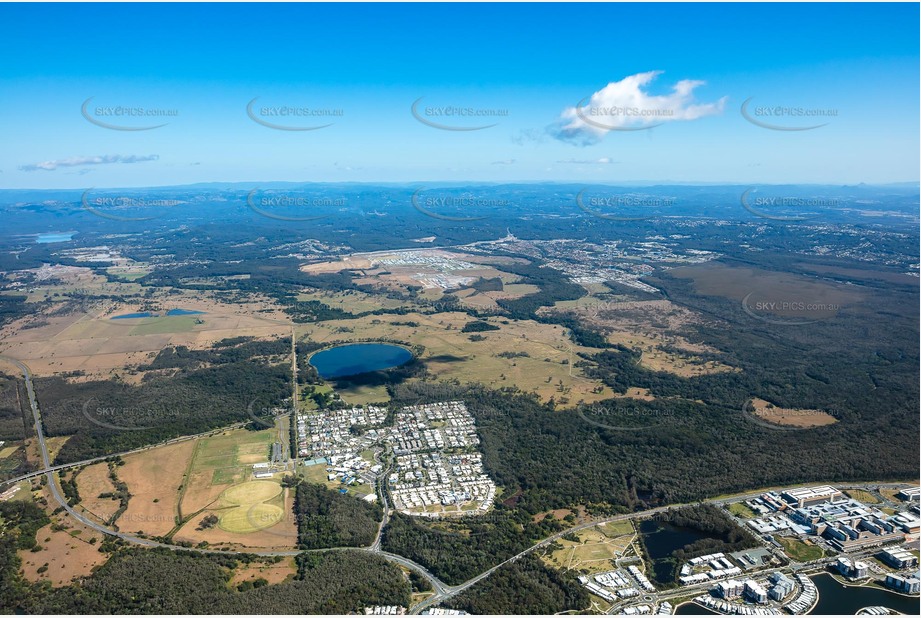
x: 661, y: 540
x: 353, y: 359
x: 148, y: 314
x: 837, y: 599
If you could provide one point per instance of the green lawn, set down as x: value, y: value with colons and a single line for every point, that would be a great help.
x: 740, y: 510
x: 166, y: 324
x: 799, y: 550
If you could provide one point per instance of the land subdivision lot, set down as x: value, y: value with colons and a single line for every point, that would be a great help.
x: 451, y: 354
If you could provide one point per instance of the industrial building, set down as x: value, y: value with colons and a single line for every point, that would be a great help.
x: 899, y: 558
x: 809, y: 496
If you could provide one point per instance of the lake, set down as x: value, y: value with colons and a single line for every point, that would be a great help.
x: 661, y: 540
x: 183, y: 312
x: 50, y: 237
x: 148, y: 314
x: 353, y: 359
x: 837, y: 599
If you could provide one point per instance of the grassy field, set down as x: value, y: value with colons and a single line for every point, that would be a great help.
x: 224, y: 460
x: 166, y: 324
x: 253, y: 506
x: 862, y: 496
x: 800, y: 550
x: 740, y: 510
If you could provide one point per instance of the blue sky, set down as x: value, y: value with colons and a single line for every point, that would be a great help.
x: 559, y: 82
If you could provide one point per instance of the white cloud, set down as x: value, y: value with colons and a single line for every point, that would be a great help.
x: 601, y: 161
x: 504, y: 162
x: 81, y: 161
x: 625, y: 105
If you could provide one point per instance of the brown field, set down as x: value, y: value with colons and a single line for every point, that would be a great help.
x: 274, y: 573
x: 770, y: 413
x: 67, y: 556
x: 450, y: 354
x: 155, y: 474
x: 92, y: 481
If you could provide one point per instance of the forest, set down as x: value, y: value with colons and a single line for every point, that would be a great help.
x: 456, y: 550
x: 326, y: 518
x: 161, y: 581
x: 525, y: 586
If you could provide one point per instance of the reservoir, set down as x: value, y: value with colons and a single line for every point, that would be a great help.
x: 661, y: 540
x: 148, y: 314
x: 353, y: 359
x: 50, y: 237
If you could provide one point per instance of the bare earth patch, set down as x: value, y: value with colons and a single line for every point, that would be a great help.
x: 274, y: 573
x: 91, y: 482
x: 770, y: 413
